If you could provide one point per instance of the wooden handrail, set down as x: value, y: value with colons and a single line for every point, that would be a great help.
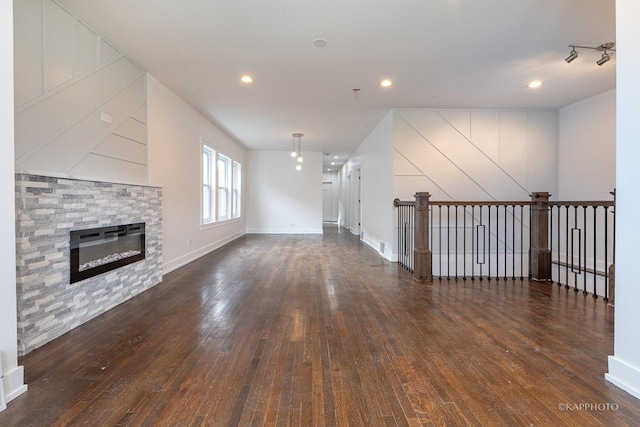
x: 596, y: 203
x: 582, y: 203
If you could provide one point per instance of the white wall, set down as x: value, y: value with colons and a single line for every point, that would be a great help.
x: 587, y: 148
x: 175, y: 157
x: 283, y: 200
x: 373, y: 158
x: 14, y: 376
x: 475, y: 154
x: 624, y: 365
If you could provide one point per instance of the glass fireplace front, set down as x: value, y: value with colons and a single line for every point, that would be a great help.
x: 98, y: 250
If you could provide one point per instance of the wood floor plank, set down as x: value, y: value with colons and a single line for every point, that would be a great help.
x: 321, y: 331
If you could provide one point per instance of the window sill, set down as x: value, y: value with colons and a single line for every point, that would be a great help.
x: 220, y: 223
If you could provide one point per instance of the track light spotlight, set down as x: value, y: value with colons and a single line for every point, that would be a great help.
x: 606, y: 48
x: 572, y: 55
x: 605, y: 58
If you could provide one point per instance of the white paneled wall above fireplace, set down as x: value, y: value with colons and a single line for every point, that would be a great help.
x: 80, y: 105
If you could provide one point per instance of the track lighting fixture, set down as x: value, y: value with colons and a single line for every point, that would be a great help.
x: 605, y: 48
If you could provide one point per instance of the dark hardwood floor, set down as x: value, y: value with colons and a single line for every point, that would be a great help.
x: 319, y: 330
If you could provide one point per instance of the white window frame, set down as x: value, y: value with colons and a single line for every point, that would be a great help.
x: 219, y: 188
x: 208, y: 177
x: 223, y: 186
x: 236, y: 190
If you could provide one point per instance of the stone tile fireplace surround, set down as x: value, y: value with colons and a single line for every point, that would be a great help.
x: 48, y: 208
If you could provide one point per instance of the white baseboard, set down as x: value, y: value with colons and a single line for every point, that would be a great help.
x: 174, y: 264
x: 374, y: 244
x: 623, y: 375
x: 14, y: 384
x: 284, y: 231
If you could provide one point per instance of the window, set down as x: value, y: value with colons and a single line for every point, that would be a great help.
x: 224, y: 178
x: 221, y: 186
x: 208, y: 200
x: 235, y: 195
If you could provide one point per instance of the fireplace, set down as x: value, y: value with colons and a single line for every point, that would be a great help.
x: 98, y: 250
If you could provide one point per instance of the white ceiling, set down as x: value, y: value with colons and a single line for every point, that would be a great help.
x: 439, y: 53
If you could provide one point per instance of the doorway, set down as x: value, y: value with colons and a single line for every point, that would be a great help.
x: 355, y: 210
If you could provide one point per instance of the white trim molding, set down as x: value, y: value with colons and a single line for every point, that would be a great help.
x: 14, y: 384
x: 624, y: 375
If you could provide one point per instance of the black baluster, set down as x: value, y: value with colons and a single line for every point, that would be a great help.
x: 559, y: 232
x: 478, y: 243
x: 440, y: 241
x: 521, y: 242
x: 505, y: 242
x: 497, y: 242
x: 431, y: 236
x: 551, y: 239
x: 529, y: 257
x: 456, y: 246
x: 595, y: 252
x: 473, y: 230
x: 400, y: 233
x: 606, y: 255
x: 566, y: 249
x: 448, y: 242
x: 412, y: 243
x: 584, y: 225
x: 489, y: 242
x: 513, y: 242
x: 399, y: 236
x: 575, y: 274
x: 464, y: 242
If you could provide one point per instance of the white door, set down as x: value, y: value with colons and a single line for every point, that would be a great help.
x: 327, y: 201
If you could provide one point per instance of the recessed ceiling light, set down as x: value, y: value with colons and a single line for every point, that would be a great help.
x: 386, y: 83
x: 333, y: 163
x: 246, y: 79
x: 534, y: 84
x: 320, y: 42
x: 335, y: 157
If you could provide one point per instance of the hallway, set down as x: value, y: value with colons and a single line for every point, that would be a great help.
x: 320, y: 330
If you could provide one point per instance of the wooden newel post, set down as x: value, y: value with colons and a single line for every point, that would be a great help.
x: 421, y: 250
x: 540, y: 254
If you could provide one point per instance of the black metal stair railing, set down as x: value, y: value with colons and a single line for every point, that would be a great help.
x: 405, y: 232
x: 493, y: 240
x: 581, y: 240
x: 480, y: 239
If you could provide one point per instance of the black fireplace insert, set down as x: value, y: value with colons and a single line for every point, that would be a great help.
x: 98, y: 250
